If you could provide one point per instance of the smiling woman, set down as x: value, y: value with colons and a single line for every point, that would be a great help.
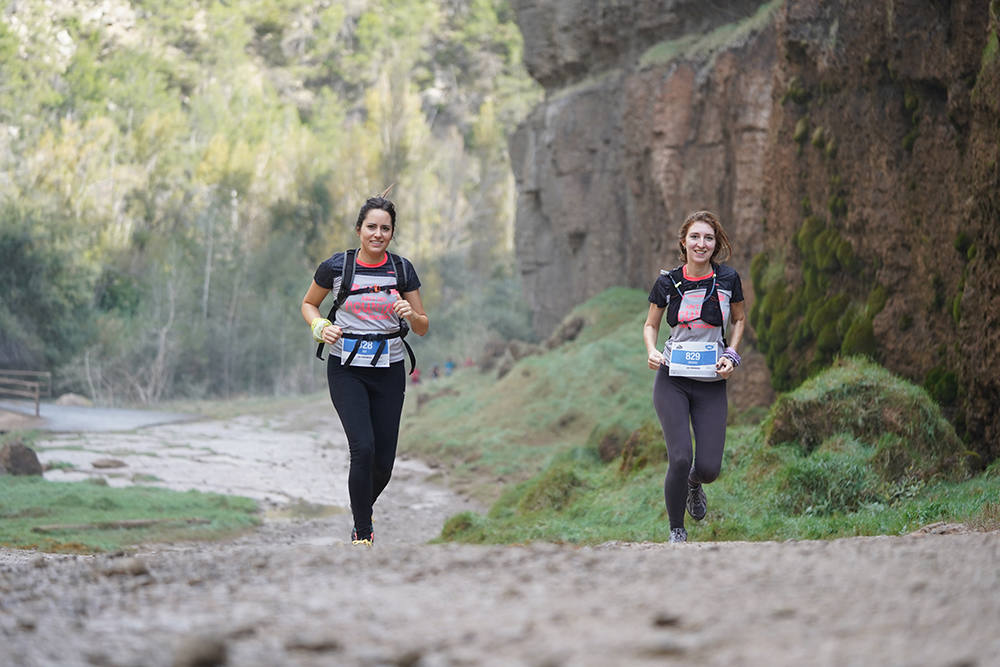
x: 378, y: 302
x: 691, y: 372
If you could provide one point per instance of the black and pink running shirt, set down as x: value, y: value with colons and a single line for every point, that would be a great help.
x: 371, y: 312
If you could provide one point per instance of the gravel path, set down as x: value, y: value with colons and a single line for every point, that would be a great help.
x: 295, y: 593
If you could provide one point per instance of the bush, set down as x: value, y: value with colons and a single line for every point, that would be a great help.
x: 644, y: 447
x: 826, y: 483
x: 552, y: 490
x: 900, y: 424
x: 609, y: 440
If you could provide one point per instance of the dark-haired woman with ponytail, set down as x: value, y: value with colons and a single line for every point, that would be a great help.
x: 365, y: 367
x: 689, y: 391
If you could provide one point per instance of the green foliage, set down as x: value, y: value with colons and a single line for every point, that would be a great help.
x: 859, y: 339
x: 827, y: 482
x: 877, y: 299
x: 796, y: 92
x: 46, y: 309
x: 174, y: 194
x: 802, y: 326
x: 801, y: 130
x: 942, y: 384
x: 555, y: 488
x: 991, y: 50
x: 29, y: 502
x: 818, y: 137
x: 963, y: 242
x: 644, y: 447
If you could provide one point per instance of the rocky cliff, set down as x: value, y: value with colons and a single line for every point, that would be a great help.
x: 850, y: 148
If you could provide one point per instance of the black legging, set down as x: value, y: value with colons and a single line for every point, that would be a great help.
x: 682, y: 404
x: 369, y: 402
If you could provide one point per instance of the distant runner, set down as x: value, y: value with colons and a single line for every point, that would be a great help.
x: 691, y: 372
x: 373, y: 312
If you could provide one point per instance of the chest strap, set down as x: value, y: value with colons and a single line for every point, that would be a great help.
x: 382, y: 339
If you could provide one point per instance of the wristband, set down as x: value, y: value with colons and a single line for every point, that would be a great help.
x: 317, y: 325
x: 733, y: 356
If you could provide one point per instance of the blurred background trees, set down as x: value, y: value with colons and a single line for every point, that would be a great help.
x: 172, y: 172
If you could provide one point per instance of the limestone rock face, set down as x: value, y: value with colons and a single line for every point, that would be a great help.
x: 853, y: 147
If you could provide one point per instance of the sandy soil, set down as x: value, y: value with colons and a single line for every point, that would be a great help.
x: 296, y: 593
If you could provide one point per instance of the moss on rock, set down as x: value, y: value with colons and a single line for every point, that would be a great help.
x: 862, y: 399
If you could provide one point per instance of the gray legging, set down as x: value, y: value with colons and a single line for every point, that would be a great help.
x: 682, y: 403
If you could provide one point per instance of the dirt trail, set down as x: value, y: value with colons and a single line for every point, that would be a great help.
x: 295, y: 593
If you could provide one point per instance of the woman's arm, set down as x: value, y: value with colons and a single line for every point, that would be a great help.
x: 310, y: 311
x: 412, y: 308
x: 737, y: 315
x: 650, y: 332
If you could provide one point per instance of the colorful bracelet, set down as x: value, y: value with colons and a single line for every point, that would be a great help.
x: 733, y: 356
x: 317, y: 325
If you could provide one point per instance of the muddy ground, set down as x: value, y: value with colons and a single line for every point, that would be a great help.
x: 296, y: 592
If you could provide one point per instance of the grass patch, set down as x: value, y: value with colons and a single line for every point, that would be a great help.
x: 91, y: 511
x: 701, y: 46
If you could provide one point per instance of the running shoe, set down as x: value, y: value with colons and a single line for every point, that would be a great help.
x: 678, y: 535
x: 362, y: 542
x: 697, y: 502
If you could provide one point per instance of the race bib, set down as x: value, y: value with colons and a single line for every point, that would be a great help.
x: 694, y: 359
x: 366, y: 352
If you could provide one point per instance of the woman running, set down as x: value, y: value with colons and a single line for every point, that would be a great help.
x: 691, y: 372
x: 372, y: 314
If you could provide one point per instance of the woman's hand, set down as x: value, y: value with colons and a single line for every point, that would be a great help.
x: 655, y: 359
x: 725, y: 367
x: 331, y: 334
x: 403, y: 308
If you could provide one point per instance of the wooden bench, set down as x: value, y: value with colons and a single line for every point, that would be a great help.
x: 26, y: 384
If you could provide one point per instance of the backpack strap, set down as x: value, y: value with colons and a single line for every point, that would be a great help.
x: 346, y: 281
x: 402, y: 278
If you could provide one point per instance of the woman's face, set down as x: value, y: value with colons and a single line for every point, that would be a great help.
x: 375, y: 232
x: 700, y: 242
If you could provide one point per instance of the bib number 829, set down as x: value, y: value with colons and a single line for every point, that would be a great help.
x: 692, y: 356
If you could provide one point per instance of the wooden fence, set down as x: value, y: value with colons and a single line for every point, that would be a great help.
x: 26, y: 384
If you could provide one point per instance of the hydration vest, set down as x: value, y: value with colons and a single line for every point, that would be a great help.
x: 711, y: 308
x: 345, y: 292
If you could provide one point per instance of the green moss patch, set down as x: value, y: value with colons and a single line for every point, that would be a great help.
x: 901, y: 428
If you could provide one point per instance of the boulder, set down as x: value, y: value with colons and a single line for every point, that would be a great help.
x: 19, y: 459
